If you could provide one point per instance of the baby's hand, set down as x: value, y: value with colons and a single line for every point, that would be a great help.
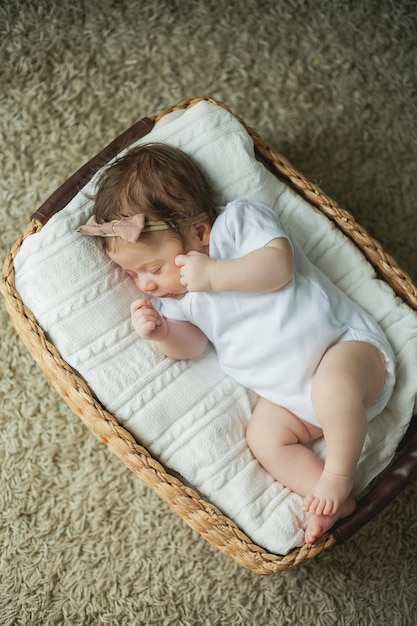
x: 195, y: 270
x: 146, y: 320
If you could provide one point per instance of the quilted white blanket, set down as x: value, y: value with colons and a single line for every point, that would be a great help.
x: 188, y: 414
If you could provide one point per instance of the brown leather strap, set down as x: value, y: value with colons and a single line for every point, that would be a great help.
x: 60, y: 198
x: 392, y: 481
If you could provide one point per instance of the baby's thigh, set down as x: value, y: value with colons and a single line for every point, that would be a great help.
x: 272, y: 425
x: 351, y: 369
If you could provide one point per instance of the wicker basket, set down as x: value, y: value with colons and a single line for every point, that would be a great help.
x: 205, y: 518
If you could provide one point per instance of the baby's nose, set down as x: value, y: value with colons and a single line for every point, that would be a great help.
x: 147, y: 284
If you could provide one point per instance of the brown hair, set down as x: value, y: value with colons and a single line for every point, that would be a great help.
x: 157, y: 180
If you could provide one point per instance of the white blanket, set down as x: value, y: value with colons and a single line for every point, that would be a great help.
x: 188, y: 414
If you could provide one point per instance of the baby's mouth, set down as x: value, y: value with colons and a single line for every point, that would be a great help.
x: 175, y: 296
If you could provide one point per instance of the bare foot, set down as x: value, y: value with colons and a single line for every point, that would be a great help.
x: 330, y: 492
x: 319, y: 524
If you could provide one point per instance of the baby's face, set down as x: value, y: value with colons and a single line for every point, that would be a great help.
x: 151, y: 263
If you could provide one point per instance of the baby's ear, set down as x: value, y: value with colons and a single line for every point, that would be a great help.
x: 202, y: 230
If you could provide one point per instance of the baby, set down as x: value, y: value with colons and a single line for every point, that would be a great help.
x: 319, y: 364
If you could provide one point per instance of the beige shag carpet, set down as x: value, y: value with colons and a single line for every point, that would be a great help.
x: 333, y: 85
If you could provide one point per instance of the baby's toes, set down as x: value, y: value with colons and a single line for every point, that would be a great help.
x: 328, y: 507
x: 312, y: 504
x: 308, y: 500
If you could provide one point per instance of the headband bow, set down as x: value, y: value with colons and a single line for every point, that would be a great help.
x: 127, y: 228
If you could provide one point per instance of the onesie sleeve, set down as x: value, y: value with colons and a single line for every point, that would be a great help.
x: 250, y: 225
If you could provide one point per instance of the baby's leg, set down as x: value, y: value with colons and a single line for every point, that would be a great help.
x: 349, y: 378
x: 278, y: 440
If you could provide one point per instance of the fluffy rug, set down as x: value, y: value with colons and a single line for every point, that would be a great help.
x: 333, y: 86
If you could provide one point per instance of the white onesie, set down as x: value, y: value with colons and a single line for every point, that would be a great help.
x: 273, y: 342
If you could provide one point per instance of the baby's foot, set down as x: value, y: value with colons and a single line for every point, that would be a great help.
x: 330, y: 492
x: 319, y: 524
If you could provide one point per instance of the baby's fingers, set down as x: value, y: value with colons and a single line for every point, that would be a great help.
x: 140, y: 303
x: 180, y: 260
x: 148, y: 326
x: 145, y: 317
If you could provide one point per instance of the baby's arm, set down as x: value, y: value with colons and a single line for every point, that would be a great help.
x: 175, y: 339
x: 263, y: 270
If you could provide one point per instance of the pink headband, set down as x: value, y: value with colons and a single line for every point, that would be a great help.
x: 127, y: 228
